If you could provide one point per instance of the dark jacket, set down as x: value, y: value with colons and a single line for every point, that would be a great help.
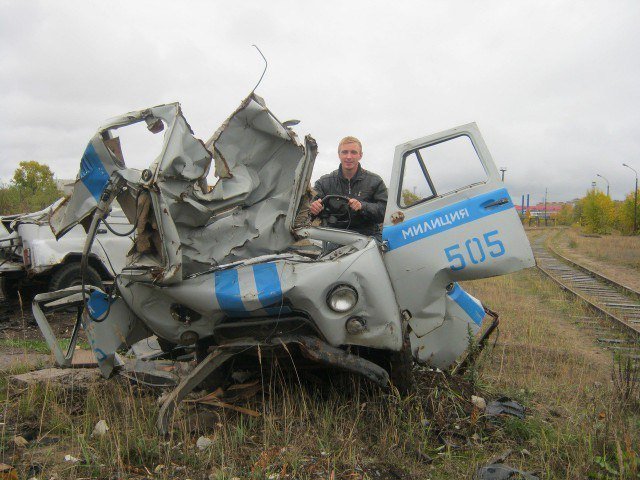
x: 365, y: 186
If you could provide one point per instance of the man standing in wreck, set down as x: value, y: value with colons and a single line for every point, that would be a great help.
x: 365, y: 193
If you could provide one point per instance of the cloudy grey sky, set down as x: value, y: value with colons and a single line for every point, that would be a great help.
x: 553, y: 85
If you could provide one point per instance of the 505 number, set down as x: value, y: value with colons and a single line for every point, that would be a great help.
x: 474, y: 250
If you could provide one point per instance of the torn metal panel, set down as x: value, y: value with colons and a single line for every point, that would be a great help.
x: 40, y: 217
x: 264, y: 170
x: 263, y: 173
x: 105, y: 338
x: 182, y: 156
x: 462, y: 318
x: 96, y: 167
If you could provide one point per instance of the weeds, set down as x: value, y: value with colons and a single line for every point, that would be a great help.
x: 626, y: 383
x: 302, y: 431
x: 37, y: 346
x: 614, y: 250
x: 471, y: 373
x: 342, y: 427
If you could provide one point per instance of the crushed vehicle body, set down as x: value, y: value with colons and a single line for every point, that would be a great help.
x: 227, y: 268
x: 31, y: 256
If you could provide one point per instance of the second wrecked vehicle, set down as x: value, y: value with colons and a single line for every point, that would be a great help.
x: 222, y: 267
x: 32, y: 259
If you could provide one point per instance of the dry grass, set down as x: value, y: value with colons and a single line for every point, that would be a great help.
x: 575, y: 428
x: 555, y: 368
x: 614, y: 256
x: 610, y: 249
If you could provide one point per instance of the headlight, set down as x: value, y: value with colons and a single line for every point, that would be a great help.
x: 342, y: 298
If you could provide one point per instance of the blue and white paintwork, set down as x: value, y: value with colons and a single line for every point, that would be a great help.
x: 471, y: 306
x: 93, y: 173
x: 250, y: 291
x: 446, y: 218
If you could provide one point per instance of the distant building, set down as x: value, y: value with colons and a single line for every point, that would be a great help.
x: 539, y: 210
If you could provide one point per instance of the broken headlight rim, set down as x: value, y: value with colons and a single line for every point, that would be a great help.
x: 342, y: 298
x: 355, y: 325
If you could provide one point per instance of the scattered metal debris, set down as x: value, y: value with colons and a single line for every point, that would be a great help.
x: 499, y: 471
x: 65, y: 378
x: 505, y: 406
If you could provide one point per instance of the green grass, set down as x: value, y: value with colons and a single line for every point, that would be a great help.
x: 37, y: 346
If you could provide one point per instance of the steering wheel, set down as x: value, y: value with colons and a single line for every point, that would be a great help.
x: 336, y: 212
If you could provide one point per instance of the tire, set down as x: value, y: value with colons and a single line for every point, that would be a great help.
x: 70, y: 274
x: 218, y: 377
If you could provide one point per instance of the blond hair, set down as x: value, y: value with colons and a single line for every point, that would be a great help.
x: 350, y: 140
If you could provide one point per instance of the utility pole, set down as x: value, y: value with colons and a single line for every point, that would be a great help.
x: 598, y: 175
x: 635, y: 200
x: 545, y: 207
x: 502, y: 170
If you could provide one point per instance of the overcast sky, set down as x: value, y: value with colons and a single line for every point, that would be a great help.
x: 553, y: 86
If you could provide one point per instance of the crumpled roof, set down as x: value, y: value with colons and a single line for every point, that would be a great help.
x: 262, y: 172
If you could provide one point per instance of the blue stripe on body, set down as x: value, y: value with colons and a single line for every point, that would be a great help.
x: 467, y: 303
x: 267, y: 284
x: 227, y: 290
x: 98, y: 304
x: 444, y: 219
x: 92, y: 172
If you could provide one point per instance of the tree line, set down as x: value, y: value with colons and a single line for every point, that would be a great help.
x: 596, y: 212
x: 32, y: 188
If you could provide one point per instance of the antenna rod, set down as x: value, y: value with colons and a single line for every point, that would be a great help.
x: 264, y: 71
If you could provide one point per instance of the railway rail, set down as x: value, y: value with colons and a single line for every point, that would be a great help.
x: 609, y: 300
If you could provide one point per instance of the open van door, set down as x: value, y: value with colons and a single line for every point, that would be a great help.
x: 448, y: 218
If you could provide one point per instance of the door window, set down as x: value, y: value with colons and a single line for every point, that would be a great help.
x: 439, y: 169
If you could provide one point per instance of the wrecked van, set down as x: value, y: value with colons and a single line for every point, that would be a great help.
x: 233, y: 267
x: 32, y: 258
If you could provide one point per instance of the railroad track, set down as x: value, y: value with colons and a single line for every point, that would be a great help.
x: 611, y: 303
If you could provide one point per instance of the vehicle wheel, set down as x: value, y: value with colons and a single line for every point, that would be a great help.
x: 401, y: 368
x: 70, y: 274
x: 218, y: 377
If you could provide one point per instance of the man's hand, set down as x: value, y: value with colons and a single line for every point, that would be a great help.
x: 316, y: 207
x: 355, y: 205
